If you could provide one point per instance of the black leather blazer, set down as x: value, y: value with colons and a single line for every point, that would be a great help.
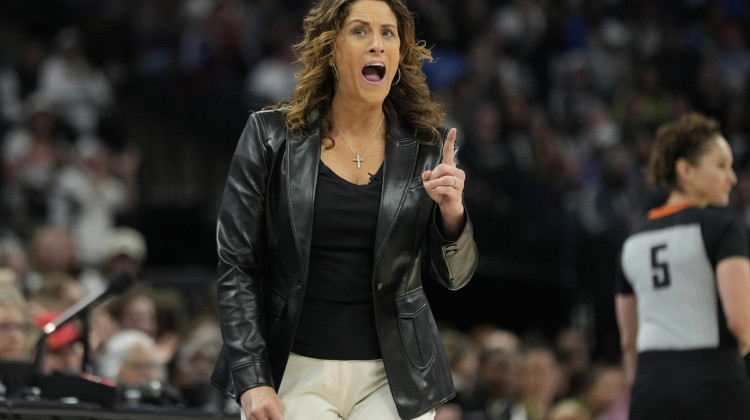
x: 263, y: 239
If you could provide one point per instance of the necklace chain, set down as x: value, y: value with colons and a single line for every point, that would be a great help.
x: 358, y: 159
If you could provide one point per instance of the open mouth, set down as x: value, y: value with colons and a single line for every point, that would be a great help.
x: 374, y: 72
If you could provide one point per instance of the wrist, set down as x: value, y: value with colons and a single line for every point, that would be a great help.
x: 451, y: 222
x: 452, y: 213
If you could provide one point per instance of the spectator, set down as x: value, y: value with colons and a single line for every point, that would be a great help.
x: 272, y: 79
x: 10, y: 95
x: 449, y: 411
x: 648, y: 104
x: 504, y: 340
x: 604, y: 390
x: 14, y: 323
x: 129, y: 357
x: 540, y: 383
x: 52, y: 251
x: 138, y: 310
x: 572, y: 93
x: 103, y: 327
x: 57, y: 292
x: 733, y: 56
x: 126, y: 251
x: 32, y: 154
x: 87, y: 199
x: 194, y: 362
x: 64, y: 347
x: 496, y: 393
x: 569, y: 410
x: 14, y: 262
x: 574, y: 356
x: 463, y: 358
x: 709, y: 95
x: 78, y: 89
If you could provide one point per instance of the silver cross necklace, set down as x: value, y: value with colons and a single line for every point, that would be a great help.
x: 359, y: 159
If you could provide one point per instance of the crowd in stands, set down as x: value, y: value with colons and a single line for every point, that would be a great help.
x: 556, y: 103
x: 499, y: 375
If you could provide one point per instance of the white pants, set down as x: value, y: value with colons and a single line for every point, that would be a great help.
x: 315, y: 389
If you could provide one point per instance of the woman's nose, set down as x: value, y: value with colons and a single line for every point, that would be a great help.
x: 377, y: 44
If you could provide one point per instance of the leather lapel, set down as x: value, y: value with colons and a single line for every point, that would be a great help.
x: 400, y: 156
x: 302, y: 174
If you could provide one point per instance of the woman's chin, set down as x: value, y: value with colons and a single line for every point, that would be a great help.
x: 719, y: 202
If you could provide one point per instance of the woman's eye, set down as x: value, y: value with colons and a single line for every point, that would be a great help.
x: 358, y: 31
x: 387, y: 33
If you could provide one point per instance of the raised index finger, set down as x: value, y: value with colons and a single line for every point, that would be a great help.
x: 449, y: 147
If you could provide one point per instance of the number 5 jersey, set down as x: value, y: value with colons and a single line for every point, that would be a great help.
x: 670, y: 262
x: 688, y: 366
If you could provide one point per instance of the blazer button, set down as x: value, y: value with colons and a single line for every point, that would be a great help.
x: 380, y: 285
x: 450, y: 249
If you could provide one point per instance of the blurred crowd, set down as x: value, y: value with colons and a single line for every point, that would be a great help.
x: 110, y: 107
x: 144, y: 342
x: 500, y: 375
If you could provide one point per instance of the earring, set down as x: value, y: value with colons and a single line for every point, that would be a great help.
x: 398, y: 79
x: 335, y: 72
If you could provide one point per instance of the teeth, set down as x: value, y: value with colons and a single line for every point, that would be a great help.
x: 376, y: 65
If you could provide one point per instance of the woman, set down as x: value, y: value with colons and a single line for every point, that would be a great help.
x: 683, y: 306
x: 333, y: 205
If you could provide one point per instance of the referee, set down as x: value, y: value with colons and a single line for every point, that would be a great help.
x: 683, y: 302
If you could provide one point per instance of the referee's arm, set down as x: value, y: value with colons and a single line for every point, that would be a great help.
x: 627, y: 322
x: 733, y: 280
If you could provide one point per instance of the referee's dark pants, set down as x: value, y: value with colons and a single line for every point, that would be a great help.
x: 692, y: 384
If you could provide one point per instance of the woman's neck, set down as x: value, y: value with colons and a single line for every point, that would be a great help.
x: 356, y: 119
x: 678, y: 197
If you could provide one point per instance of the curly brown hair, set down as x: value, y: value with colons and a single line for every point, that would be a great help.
x: 687, y: 137
x: 410, y: 97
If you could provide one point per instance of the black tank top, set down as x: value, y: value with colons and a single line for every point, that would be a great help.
x: 338, y: 320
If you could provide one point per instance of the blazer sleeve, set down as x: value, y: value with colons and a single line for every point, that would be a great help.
x: 241, y: 248
x: 452, y: 263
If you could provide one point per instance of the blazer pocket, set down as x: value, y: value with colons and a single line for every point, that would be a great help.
x: 275, y: 304
x: 416, y: 328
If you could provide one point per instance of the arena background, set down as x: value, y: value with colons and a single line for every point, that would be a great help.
x: 555, y: 101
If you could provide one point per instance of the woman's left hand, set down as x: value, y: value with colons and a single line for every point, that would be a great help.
x: 445, y: 185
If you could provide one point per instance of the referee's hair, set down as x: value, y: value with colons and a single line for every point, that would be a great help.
x: 685, y: 137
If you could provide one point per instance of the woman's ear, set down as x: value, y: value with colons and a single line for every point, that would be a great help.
x: 684, y: 170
